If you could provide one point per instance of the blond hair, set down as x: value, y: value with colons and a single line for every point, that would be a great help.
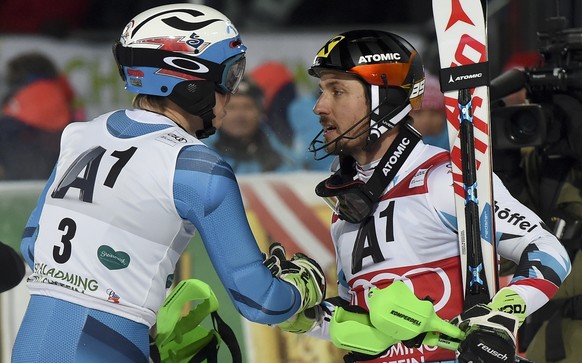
x: 149, y: 102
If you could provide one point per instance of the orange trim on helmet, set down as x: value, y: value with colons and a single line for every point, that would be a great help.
x: 398, y: 71
x: 372, y: 73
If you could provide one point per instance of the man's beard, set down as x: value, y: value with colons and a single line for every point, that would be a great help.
x: 353, y: 141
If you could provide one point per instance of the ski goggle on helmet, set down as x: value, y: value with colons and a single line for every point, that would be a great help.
x: 170, y: 44
x: 390, y: 68
x: 352, y: 199
x: 348, y: 197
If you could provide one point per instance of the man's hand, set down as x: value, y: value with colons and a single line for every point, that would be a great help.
x: 490, y: 335
x: 300, y: 271
x: 490, y: 330
x: 303, y: 321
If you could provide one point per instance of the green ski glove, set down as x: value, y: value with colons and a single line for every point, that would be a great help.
x: 304, y: 321
x: 300, y: 271
x: 491, y: 329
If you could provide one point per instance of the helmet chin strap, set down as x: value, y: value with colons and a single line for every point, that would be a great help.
x: 384, y: 123
x: 208, y: 129
x: 389, y: 105
x: 197, y: 98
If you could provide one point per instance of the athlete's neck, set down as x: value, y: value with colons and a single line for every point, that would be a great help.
x: 190, y: 123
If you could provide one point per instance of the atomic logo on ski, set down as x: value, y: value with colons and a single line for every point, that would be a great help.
x: 458, y: 14
x: 464, y: 76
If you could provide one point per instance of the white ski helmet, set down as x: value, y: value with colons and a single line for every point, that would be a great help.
x: 176, y: 50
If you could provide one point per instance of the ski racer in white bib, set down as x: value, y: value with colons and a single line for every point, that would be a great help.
x: 394, y: 214
x: 131, y: 188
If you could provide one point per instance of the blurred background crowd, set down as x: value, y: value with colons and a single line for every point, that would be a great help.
x: 270, y: 124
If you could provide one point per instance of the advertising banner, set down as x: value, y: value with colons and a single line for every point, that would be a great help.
x: 280, y: 207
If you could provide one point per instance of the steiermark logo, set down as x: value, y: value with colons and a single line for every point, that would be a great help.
x: 113, y: 260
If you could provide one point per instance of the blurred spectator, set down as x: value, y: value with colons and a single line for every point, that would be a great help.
x: 37, y: 107
x: 244, y: 140
x: 278, y: 86
x: 12, y: 268
x: 430, y: 119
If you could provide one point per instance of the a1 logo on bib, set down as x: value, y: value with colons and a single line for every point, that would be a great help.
x: 113, y: 260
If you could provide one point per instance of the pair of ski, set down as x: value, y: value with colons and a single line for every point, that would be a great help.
x: 461, y: 29
x: 462, y: 43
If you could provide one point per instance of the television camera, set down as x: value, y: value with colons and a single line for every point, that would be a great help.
x: 541, y: 121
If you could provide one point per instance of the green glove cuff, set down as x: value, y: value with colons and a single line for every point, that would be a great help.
x: 354, y: 331
x: 180, y: 337
x: 395, y: 314
x: 302, y: 322
x: 509, y: 301
x: 400, y: 314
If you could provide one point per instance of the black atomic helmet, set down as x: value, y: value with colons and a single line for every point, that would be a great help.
x: 387, y: 63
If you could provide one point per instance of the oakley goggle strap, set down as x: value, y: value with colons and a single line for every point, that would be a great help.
x: 178, y: 62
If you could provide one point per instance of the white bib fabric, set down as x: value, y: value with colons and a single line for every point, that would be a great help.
x: 92, y: 233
